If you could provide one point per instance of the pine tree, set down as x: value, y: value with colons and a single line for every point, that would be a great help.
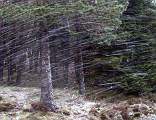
x: 138, y: 22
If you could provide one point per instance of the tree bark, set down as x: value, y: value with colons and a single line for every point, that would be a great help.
x: 79, y: 71
x: 1, y: 68
x: 20, y: 68
x: 65, y: 50
x: 2, y: 58
x: 46, y: 77
x: 65, y: 63
x: 10, y: 70
x: 53, y: 61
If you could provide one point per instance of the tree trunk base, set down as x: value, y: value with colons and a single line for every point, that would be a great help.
x: 51, y: 107
x: 39, y: 106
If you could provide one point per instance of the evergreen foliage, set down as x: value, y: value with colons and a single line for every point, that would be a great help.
x: 123, y: 35
x: 138, y: 22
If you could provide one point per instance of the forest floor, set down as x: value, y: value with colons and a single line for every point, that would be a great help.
x: 15, y: 104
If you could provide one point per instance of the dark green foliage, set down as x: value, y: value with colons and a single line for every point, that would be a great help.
x: 124, y: 46
x: 138, y: 21
x: 130, y: 54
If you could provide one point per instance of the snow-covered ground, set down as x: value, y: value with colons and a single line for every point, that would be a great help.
x: 74, y: 107
x: 77, y: 107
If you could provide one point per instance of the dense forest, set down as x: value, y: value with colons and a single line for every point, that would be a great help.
x: 77, y: 60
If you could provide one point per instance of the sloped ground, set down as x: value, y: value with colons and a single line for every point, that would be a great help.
x: 15, y: 103
x: 72, y: 106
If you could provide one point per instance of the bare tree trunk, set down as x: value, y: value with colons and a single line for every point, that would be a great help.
x: 65, y: 50
x: 1, y: 69
x: 79, y: 71
x: 27, y: 60
x: 65, y: 62
x: 31, y: 60
x: 36, y: 54
x: 46, y: 81
x: 53, y: 61
x: 46, y: 77
x: 65, y: 71
x: 20, y: 68
x: 11, y: 63
x: 10, y: 70
x: 2, y: 58
x: 12, y: 52
x: 2, y: 52
x: 19, y: 74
